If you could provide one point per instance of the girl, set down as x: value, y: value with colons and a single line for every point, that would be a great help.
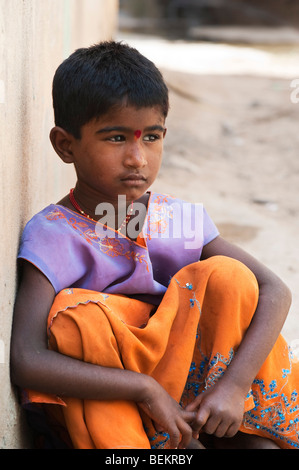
x: 136, y: 325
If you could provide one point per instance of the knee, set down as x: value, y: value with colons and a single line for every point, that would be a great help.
x: 230, y: 277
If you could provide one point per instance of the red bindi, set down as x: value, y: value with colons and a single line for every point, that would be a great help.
x: 137, y: 134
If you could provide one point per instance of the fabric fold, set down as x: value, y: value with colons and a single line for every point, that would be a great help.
x: 186, y: 344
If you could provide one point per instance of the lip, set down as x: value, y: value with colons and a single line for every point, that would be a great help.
x: 133, y: 177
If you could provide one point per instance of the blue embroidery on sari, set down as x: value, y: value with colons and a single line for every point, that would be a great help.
x: 273, y: 418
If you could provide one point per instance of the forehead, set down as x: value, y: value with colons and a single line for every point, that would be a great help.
x: 131, y: 117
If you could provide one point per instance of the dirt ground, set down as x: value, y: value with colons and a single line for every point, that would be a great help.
x: 233, y: 144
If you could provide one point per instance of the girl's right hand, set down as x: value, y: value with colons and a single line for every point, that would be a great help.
x: 167, y: 414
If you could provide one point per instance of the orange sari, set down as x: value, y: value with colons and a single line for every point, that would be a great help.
x: 186, y: 344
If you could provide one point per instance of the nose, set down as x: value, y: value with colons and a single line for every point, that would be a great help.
x: 135, y: 155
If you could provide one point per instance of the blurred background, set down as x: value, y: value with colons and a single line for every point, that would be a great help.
x: 232, y: 143
x: 190, y: 18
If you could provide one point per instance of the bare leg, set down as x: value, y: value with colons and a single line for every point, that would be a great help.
x: 195, y: 444
x: 244, y: 441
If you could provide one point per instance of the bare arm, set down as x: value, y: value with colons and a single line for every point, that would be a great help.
x: 35, y: 367
x: 227, y: 397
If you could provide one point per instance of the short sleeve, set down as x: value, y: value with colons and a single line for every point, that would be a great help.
x: 50, y: 246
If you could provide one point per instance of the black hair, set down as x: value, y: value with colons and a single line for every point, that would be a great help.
x: 93, y: 80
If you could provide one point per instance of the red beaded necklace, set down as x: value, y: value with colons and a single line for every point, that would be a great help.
x: 78, y: 208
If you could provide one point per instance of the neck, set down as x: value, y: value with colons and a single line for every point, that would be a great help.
x: 106, y: 212
x: 93, y: 205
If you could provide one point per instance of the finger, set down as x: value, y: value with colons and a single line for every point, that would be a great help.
x: 188, y: 416
x: 211, y: 425
x: 194, y: 404
x: 158, y: 427
x: 232, y: 430
x: 201, y: 419
x: 221, y: 430
x: 186, y: 435
x: 174, y: 438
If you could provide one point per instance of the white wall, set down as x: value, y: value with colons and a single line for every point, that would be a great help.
x: 35, y: 37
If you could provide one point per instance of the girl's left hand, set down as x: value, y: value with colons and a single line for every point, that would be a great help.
x: 219, y: 411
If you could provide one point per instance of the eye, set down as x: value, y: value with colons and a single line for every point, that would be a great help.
x: 117, y: 138
x: 151, y: 137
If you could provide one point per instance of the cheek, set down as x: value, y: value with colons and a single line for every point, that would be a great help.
x: 155, y: 160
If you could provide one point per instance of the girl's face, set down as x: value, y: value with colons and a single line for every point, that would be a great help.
x: 120, y: 153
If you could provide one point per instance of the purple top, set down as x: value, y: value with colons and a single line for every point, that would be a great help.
x: 73, y: 251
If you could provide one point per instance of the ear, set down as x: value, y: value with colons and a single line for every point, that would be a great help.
x: 62, y: 143
x: 165, y: 132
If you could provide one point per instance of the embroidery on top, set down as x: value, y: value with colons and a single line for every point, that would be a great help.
x: 109, y: 246
x: 158, y: 217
